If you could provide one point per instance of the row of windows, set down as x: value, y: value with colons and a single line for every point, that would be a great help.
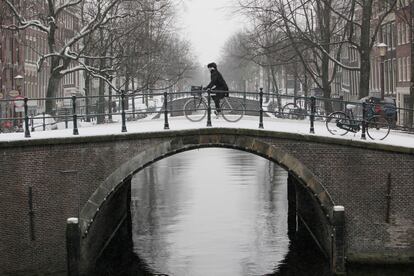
x: 35, y: 46
x: 70, y: 79
x: 387, y: 35
x: 7, y: 54
x: 402, y: 3
x: 390, y: 73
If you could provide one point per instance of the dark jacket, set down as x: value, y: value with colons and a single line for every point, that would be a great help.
x: 217, y: 82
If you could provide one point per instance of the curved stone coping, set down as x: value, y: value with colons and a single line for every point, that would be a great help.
x: 209, y: 131
x: 189, y: 142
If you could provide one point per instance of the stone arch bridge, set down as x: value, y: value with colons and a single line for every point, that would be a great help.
x: 356, y: 198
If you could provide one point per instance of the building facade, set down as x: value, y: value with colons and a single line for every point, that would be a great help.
x: 20, y: 52
x: 395, y: 33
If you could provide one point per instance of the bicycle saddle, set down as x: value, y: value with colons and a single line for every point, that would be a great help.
x: 350, y: 106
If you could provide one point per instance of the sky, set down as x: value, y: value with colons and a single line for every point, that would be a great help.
x: 207, y: 24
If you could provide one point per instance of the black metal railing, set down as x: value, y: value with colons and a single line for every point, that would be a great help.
x: 262, y: 104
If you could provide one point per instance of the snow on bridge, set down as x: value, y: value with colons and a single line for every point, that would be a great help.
x: 271, y: 123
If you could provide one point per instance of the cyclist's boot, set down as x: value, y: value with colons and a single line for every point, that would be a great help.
x: 217, y: 113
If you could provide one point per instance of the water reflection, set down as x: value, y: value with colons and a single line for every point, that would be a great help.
x: 211, y: 212
x: 215, y: 212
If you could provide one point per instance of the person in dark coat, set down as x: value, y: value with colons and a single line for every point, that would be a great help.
x: 218, y: 84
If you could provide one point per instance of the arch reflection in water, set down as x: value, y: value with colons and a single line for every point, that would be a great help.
x: 211, y: 212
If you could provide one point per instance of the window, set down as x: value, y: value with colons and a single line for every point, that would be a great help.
x: 394, y: 75
x: 399, y: 68
x: 399, y: 33
x: 386, y: 76
x: 404, y: 77
x: 403, y: 33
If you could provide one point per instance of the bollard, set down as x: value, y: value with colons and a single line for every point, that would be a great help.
x: 75, y: 117
x: 312, y: 115
x: 208, y: 107
x: 124, y: 129
x: 338, y: 254
x: 166, y: 125
x: 72, y: 246
x: 364, y: 118
x: 261, y: 108
x: 26, y: 120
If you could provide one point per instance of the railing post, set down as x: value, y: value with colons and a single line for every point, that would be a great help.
x: 364, y: 117
x: 261, y: 108
x: 208, y: 107
x: 124, y: 129
x: 166, y: 125
x: 75, y: 116
x: 44, y: 121
x: 312, y: 115
x: 32, y: 121
x: 73, y: 246
x: 66, y: 118
x: 26, y: 120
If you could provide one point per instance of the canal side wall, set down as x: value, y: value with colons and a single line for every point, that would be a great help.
x: 67, y: 178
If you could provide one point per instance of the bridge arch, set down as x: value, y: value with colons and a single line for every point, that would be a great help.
x: 114, y: 185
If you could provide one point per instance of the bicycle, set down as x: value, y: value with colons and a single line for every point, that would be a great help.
x: 195, y: 108
x: 299, y: 109
x: 340, y: 123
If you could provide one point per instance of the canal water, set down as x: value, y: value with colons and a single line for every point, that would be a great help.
x: 212, y: 212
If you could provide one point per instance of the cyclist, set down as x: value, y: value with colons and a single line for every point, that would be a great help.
x: 217, y: 83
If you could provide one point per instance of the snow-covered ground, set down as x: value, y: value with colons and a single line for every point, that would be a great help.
x: 148, y: 124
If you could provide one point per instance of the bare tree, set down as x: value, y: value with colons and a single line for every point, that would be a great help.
x: 45, y: 17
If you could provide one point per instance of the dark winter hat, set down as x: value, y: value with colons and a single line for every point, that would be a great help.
x: 212, y: 65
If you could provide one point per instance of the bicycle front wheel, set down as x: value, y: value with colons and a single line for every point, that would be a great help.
x: 334, y: 122
x: 378, y: 127
x: 232, y: 109
x: 195, y: 109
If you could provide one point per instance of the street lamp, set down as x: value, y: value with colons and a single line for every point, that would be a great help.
x: 382, y: 51
x: 19, y: 83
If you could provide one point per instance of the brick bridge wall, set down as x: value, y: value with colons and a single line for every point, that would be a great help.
x: 64, y: 173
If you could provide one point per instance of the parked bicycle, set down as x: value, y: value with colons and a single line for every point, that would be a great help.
x: 340, y: 123
x: 299, y: 109
x: 195, y: 108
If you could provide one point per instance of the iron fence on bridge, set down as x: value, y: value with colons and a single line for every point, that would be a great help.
x: 16, y: 115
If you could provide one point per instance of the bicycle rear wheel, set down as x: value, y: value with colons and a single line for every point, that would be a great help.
x: 378, y: 128
x: 333, y: 122
x: 232, y: 109
x: 294, y: 111
x: 195, y: 109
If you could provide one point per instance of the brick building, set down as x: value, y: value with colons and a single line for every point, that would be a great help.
x: 395, y: 33
x: 20, y: 51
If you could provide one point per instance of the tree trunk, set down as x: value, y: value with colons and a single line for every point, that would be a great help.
x: 52, y: 87
x: 365, y: 49
x: 276, y: 88
x: 87, y: 93
x: 325, y: 23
